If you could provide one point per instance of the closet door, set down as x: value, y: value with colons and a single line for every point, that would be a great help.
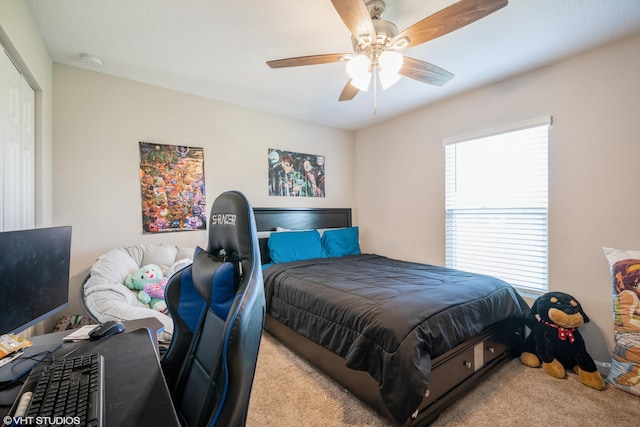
x: 17, y: 141
x: 28, y: 159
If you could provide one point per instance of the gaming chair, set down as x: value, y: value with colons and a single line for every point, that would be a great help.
x: 218, y: 309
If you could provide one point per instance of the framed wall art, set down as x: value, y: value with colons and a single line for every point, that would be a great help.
x: 294, y: 174
x: 173, y: 188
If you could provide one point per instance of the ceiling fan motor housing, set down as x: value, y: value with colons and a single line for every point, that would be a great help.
x: 372, y: 48
x: 376, y: 8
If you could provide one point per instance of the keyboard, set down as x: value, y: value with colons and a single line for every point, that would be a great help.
x: 68, y: 392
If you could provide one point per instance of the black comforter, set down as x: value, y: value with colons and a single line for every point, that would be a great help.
x: 387, y: 317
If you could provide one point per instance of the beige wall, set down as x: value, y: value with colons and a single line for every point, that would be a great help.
x: 594, y: 153
x: 99, y: 121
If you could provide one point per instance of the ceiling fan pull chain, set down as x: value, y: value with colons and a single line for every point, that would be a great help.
x: 375, y: 90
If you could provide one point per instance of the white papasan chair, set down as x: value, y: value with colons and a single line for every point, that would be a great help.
x: 104, y: 293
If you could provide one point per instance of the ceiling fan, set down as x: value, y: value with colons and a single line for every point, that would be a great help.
x: 376, y: 43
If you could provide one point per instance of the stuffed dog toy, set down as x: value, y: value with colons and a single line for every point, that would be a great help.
x: 554, y: 341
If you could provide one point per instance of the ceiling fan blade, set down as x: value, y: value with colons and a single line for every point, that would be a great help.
x: 356, y: 17
x: 424, y: 72
x: 309, y: 60
x: 349, y: 92
x: 448, y: 19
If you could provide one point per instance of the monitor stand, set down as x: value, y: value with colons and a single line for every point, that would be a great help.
x: 42, y: 349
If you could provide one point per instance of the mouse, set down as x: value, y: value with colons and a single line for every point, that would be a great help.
x: 107, y: 329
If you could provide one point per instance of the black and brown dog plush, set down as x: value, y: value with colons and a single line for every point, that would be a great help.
x: 555, y: 342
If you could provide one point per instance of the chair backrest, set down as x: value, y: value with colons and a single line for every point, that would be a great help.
x: 218, y: 308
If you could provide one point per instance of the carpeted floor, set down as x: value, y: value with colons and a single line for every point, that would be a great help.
x: 289, y: 392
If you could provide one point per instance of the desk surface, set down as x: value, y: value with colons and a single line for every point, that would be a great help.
x: 136, y: 393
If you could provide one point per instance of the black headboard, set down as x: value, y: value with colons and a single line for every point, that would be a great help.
x: 268, y: 219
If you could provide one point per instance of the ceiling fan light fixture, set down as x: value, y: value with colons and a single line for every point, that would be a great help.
x: 390, y: 61
x: 390, y: 64
x: 362, y: 82
x: 358, y: 69
x: 388, y: 79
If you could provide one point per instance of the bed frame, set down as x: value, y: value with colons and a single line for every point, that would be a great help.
x: 453, y: 373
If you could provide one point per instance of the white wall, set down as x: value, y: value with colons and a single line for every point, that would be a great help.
x: 99, y: 121
x: 594, y: 155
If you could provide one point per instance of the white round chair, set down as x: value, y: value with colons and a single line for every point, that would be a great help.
x: 104, y: 294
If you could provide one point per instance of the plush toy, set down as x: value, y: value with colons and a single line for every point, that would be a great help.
x: 555, y: 342
x: 150, y: 283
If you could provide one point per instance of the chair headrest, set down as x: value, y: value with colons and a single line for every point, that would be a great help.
x: 231, y: 226
x: 216, y: 281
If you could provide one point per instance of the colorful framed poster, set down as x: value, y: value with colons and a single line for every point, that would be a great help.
x: 296, y: 174
x: 173, y: 188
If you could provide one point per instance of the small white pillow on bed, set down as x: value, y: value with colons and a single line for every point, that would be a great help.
x: 281, y: 229
x: 264, y: 234
x: 341, y: 242
x: 291, y: 246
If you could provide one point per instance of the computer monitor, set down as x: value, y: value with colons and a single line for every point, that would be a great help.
x: 34, y: 277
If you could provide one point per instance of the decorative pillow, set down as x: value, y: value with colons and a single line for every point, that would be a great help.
x: 263, y: 234
x: 291, y: 246
x: 625, y: 278
x: 341, y: 242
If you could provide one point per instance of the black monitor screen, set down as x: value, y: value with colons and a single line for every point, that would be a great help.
x: 34, y: 276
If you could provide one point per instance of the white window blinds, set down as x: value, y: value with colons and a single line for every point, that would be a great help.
x: 496, y: 203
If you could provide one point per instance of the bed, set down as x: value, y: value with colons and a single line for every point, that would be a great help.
x: 408, y: 339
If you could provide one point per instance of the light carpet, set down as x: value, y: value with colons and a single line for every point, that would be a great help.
x: 287, y: 391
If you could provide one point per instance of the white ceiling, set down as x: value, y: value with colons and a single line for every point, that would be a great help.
x: 218, y: 48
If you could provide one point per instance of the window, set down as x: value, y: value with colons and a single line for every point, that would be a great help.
x: 497, y: 204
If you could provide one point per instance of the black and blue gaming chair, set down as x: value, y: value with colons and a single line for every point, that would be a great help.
x: 218, y: 308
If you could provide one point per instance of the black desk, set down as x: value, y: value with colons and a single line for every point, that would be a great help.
x: 136, y: 393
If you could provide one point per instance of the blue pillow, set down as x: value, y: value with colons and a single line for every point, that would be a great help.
x: 341, y: 242
x: 291, y: 246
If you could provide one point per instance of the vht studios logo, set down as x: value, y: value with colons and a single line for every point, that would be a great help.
x: 40, y: 421
x: 223, y: 219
